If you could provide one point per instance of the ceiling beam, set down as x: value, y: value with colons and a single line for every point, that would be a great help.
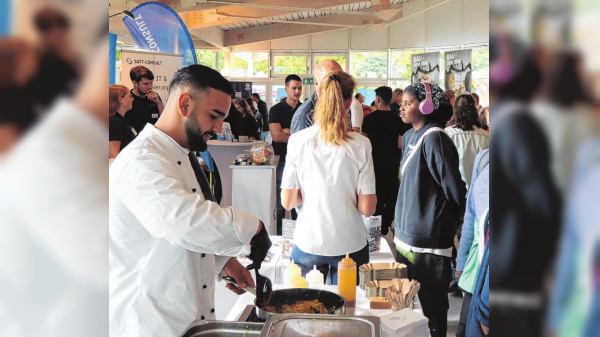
x: 270, y: 32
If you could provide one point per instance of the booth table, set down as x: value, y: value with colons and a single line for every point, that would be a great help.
x: 254, y: 191
x: 224, y: 153
x: 229, y: 305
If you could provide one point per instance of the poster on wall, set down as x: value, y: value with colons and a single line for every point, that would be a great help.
x: 425, y: 68
x: 458, y: 71
x: 163, y: 66
x: 242, y: 89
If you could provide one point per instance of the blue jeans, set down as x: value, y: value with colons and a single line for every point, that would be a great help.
x: 326, y: 264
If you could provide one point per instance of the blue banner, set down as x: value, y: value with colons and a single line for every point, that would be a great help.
x: 112, y: 57
x: 158, y: 28
x: 5, y: 17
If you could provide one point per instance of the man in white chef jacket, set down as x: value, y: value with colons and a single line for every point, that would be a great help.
x: 167, y: 243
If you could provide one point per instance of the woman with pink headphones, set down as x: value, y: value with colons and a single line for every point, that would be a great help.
x: 431, y: 199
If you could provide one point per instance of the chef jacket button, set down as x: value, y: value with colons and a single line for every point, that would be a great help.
x: 179, y: 162
x: 201, y: 317
x: 212, y: 310
x: 193, y: 190
x: 203, y: 255
x: 204, y: 286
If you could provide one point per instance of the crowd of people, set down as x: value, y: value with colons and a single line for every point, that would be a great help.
x: 411, y: 160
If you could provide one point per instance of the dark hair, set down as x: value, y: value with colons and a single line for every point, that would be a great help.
x: 562, y: 84
x: 137, y: 73
x: 372, y: 103
x: 439, y: 116
x: 201, y: 77
x: 256, y: 95
x: 475, y: 97
x: 250, y: 104
x: 385, y: 93
x: 357, y: 95
x: 465, y: 114
x: 244, y: 104
x: 292, y: 77
x: 483, y: 119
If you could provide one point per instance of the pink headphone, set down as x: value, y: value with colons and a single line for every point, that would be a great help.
x: 426, y: 106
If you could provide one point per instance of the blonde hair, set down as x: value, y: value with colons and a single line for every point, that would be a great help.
x: 115, y: 93
x: 242, y: 102
x: 330, y: 113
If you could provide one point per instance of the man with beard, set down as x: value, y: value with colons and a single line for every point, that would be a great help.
x: 147, y: 104
x: 168, y: 239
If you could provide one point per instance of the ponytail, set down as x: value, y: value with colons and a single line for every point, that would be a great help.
x: 330, y: 113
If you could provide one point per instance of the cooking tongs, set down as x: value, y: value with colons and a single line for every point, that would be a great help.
x: 263, y: 290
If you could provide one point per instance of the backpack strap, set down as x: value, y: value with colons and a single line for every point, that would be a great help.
x: 413, y: 149
x: 483, y: 162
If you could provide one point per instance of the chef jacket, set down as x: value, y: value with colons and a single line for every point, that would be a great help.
x: 166, y: 242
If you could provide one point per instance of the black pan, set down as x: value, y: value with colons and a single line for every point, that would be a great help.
x: 332, y: 301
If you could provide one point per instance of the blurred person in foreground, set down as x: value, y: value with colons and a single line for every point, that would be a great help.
x: 330, y: 172
x: 162, y: 212
x: 18, y: 64
x: 120, y: 133
x: 575, y: 302
x: 563, y: 110
x: 54, y: 211
x: 431, y: 199
x: 526, y: 205
x: 60, y: 68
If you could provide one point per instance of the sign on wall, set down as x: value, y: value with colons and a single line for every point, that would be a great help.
x: 425, y: 68
x: 458, y: 71
x: 242, y: 89
x: 163, y: 66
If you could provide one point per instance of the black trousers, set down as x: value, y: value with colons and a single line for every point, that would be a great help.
x: 464, y: 314
x: 434, y: 273
x: 280, y: 209
x: 387, y: 194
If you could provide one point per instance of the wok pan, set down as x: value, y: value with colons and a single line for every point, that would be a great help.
x: 332, y: 301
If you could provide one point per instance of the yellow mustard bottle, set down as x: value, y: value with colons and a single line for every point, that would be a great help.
x: 347, y: 281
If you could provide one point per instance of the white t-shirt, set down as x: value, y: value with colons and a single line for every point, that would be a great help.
x: 330, y: 178
x: 356, y: 114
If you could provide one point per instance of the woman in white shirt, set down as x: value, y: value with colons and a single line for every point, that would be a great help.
x: 464, y: 128
x: 329, y: 170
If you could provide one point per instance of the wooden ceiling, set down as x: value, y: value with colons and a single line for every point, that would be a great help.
x: 228, y: 23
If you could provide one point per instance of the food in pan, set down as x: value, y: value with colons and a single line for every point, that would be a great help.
x: 300, y: 307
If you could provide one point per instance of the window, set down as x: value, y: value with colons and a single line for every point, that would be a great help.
x: 402, y: 84
x: 249, y: 64
x: 480, y: 61
x: 401, y: 63
x: 210, y: 58
x: 372, y: 64
x: 341, y: 59
x: 289, y: 64
x: 277, y: 93
x: 261, y: 90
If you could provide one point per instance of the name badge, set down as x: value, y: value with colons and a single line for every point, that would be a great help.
x: 154, y: 115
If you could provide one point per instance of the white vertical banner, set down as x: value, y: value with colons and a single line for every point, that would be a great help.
x: 162, y: 65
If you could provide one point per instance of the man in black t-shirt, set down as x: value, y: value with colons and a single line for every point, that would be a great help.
x: 383, y: 128
x: 147, y: 105
x: 280, y: 119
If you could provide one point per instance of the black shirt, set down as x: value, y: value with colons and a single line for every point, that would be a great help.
x: 235, y: 120
x: 119, y: 130
x: 282, y: 113
x: 395, y: 107
x: 143, y: 111
x: 264, y: 114
x: 432, y: 193
x: 248, y: 127
x: 383, y: 129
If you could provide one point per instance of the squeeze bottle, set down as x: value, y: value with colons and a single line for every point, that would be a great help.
x: 290, y: 273
x: 315, y: 278
x: 347, y: 281
x: 299, y: 282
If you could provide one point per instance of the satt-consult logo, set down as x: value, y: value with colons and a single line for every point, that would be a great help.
x: 129, y: 60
